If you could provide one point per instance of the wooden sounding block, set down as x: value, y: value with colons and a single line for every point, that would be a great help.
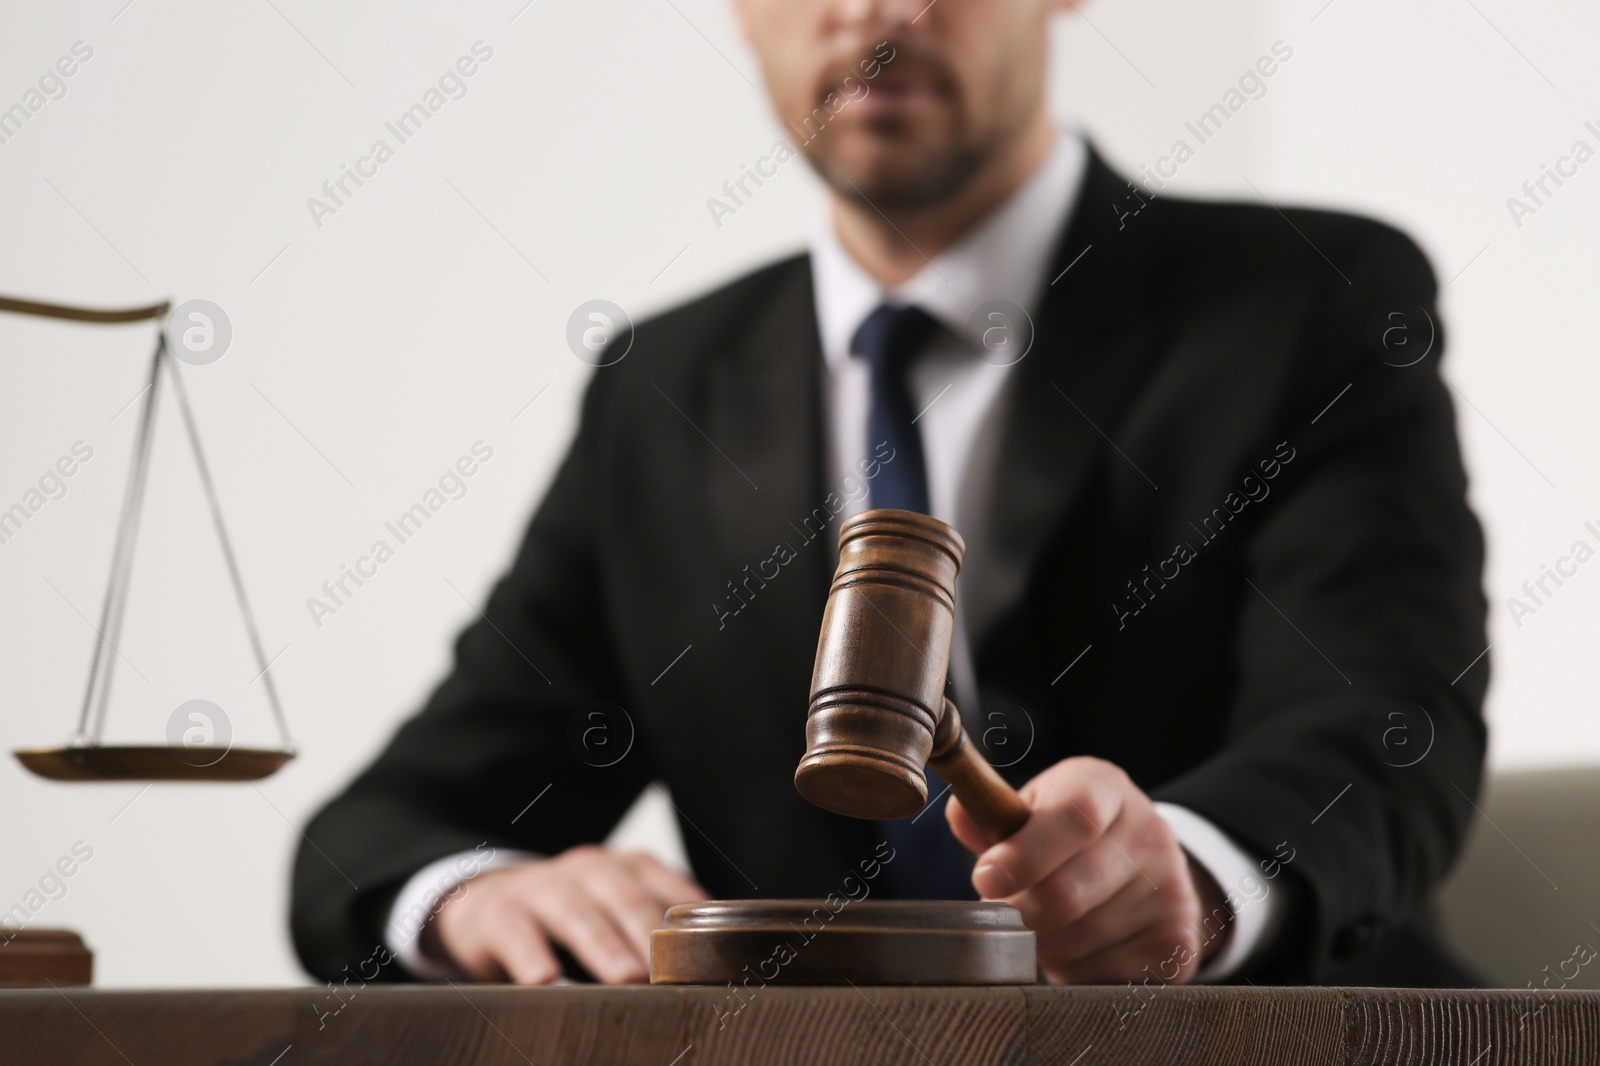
x: 878, y: 717
x: 43, y: 957
x: 810, y: 942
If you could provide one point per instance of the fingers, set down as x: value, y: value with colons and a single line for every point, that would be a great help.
x: 1099, y: 876
x: 1133, y: 909
x: 495, y: 939
x: 1076, y: 803
x: 631, y: 907
x: 577, y: 920
x: 459, y: 932
x: 522, y: 952
x: 598, y: 904
x: 638, y: 900
x: 1101, y: 897
x: 475, y: 957
x: 1078, y: 887
x: 666, y: 884
x: 606, y: 907
x: 965, y: 829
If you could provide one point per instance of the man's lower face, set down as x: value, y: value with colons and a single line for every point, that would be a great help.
x: 898, y: 162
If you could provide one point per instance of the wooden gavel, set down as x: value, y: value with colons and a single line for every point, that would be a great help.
x: 878, y: 713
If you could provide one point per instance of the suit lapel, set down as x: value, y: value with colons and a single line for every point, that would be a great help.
x: 1096, y: 332
x: 764, y: 411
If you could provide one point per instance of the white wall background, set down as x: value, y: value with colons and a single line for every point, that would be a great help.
x: 370, y: 352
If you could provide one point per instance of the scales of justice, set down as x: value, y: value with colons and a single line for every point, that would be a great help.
x: 83, y: 757
x: 877, y: 718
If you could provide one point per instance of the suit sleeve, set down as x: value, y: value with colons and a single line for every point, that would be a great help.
x: 1355, y: 739
x: 525, y: 713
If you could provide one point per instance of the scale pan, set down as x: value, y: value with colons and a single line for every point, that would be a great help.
x: 151, y: 763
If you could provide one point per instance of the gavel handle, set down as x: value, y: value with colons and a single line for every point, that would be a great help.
x: 994, y: 805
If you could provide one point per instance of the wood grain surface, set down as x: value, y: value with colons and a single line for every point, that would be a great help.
x: 841, y: 1026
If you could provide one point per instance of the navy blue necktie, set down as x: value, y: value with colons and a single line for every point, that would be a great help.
x: 929, y: 863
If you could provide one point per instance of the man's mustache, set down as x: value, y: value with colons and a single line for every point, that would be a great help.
x: 886, y: 64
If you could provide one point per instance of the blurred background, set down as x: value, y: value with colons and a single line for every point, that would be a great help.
x: 374, y: 344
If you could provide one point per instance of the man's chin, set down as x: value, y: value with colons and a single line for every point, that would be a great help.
x: 893, y: 183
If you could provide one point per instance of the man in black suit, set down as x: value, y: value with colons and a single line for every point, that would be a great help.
x: 1221, y: 617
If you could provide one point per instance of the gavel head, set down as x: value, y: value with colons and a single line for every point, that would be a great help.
x: 877, y: 692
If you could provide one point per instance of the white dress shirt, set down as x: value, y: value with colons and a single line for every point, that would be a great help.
x: 961, y: 398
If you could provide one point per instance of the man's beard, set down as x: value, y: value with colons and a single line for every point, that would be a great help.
x: 926, y: 171
x: 934, y: 179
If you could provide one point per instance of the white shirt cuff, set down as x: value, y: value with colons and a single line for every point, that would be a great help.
x: 1256, y: 910
x: 421, y: 896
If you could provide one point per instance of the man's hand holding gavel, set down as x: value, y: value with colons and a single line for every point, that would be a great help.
x: 1080, y: 851
x: 1099, y: 876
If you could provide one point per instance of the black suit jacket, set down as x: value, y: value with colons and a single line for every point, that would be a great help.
x: 1190, y: 349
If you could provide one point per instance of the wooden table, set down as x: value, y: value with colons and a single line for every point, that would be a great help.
x: 665, y: 1026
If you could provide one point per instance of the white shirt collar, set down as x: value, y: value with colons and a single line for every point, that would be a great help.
x: 1004, y: 257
